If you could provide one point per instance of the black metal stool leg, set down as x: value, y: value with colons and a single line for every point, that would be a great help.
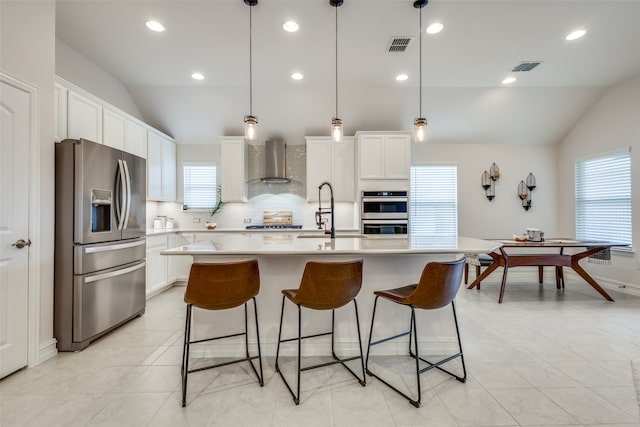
x: 416, y: 403
x: 455, y: 320
x: 185, y: 354
x: 296, y: 399
x: 279, y: 335
x: 363, y: 382
x: 255, y: 309
x: 373, y: 317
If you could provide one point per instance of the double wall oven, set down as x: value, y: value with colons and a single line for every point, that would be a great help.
x: 384, y: 213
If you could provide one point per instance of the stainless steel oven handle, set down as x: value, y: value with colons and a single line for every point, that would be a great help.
x: 386, y: 222
x: 115, y: 273
x: 113, y: 247
x: 384, y: 199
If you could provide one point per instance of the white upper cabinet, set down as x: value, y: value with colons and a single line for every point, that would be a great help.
x: 114, y: 129
x: 384, y: 156
x: 135, y: 141
x: 60, y: 112
x: 333, y: 162
x: 233, y: 169
x: 84, y: 118
x: 161, y: 167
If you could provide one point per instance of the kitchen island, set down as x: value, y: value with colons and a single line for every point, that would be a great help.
x: 388, y: 262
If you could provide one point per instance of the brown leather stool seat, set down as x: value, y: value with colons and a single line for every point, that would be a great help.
x: 219, y: 287
x: 324, y: 286
x: 437, y: 288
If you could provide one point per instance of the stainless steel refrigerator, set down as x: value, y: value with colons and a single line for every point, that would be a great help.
x: 99, y: 241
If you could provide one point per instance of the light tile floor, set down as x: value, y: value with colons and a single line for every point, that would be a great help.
x: 543, y: 357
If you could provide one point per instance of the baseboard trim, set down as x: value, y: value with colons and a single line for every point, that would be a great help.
x: 47, y: 350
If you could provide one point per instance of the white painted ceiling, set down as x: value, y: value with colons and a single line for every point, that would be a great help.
x: 463, y: 66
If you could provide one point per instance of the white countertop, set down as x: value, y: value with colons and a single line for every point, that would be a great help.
x: 251, y: 243
x: 202, y: 229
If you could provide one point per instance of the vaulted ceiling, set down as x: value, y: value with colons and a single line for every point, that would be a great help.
x: 463, y: 66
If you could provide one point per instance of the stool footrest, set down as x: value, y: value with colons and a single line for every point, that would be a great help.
x: 383, y: 340
x: 333, y: 362
x: 437, y: 364
x: 305, y: 337
x: 231, y: 362
x: 413, y: 402
x: 218, y: 338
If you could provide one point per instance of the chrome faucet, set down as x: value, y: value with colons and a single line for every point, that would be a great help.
x: 325, y: 211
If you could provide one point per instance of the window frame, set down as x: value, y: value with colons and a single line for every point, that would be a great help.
x: 453, y: 231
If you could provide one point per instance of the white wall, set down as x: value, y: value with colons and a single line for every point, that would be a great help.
x: 611, y: 123
x: 27, y: 34
x: 504, y: 216
x: 76, y: 68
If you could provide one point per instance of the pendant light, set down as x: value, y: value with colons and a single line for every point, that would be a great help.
x: 336, y: 123
x: 250, y: 121
x: 420, y: 123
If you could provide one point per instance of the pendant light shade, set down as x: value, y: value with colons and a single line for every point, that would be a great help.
x: 336, y: 123
x: 420, y: 123
x: 250, y: 121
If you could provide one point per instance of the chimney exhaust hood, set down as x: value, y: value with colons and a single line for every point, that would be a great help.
x: 275, y: 158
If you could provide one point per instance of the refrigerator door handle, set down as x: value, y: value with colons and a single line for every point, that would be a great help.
x: 111, y: 274
x: 121, y: 201
x: 127, y: 209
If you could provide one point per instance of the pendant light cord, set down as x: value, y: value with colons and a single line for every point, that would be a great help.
x: 250, y: 63
x: 420, y: 56
x: 336, y: 61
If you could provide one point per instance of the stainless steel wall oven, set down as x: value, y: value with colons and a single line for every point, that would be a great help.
x: 384, y: 213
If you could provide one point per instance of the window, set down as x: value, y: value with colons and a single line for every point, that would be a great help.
x: 434, y: 200
x: 199, y: 185
x: 603, y: 198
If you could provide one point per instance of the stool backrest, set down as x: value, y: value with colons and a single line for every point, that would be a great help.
x: 218, y: 286
x: 329, y: 285
x: 438, y: 286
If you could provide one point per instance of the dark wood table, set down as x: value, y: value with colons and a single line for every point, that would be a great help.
x: 559, y: 260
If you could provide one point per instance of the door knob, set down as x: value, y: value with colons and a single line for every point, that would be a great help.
x: 21, y: 243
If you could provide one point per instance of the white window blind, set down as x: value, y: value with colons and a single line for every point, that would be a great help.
x: 434, y: 200
x: 199, y: 185
x: 603, y: 198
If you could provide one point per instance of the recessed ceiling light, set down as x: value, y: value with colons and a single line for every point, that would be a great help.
x: 155, y: 26
x: 290, y: 26
x: 576, y: 34
x: 508, y: 80
x: 401, y: 77
x: 197, y: 76
x: 435, y: 28
x: 297, y: 76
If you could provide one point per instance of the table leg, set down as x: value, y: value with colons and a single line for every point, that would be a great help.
x: 540, y: 273
x: 505, y: 260
x: 495, y: 264
x: 589, y: 280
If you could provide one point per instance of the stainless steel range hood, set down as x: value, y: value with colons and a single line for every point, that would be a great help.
x: 275, y: 158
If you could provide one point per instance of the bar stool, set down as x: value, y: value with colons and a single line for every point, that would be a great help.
x: 437, y: 288
x: 220, y: 287
x: 324, y: 286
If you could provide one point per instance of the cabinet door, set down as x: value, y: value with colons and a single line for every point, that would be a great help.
x: 344, y: 171
x: 156, y: 264
x: 154, y: 166
x: 397, y: 156
x: 60, y: 112
x: 84, y: 118
x: 114, y: 130
x: 136, y: 139
x: 371, y: 156
x: 168, y: 170
x: 319, y: 167
x: 233, y: 167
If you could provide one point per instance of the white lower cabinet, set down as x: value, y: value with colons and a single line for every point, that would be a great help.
x: 157, y: 279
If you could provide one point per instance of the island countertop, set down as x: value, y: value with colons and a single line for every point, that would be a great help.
x: 298, y: 244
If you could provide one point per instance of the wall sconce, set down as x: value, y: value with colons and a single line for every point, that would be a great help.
x: 488, y: 181
x: 525, y: 189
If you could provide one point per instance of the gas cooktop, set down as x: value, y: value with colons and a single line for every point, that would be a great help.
x: 273, y: 227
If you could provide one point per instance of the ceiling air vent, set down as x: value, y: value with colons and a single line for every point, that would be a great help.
x: 526, y: 66
x: 399, y: 44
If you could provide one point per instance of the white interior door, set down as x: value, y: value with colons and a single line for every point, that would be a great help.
x: 14, y: 227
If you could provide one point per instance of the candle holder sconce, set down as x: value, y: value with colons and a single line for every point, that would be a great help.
x: 488, y: 180
x: 524, y: 191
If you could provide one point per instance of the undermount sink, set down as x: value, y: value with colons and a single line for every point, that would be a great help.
x: 327, y: 236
